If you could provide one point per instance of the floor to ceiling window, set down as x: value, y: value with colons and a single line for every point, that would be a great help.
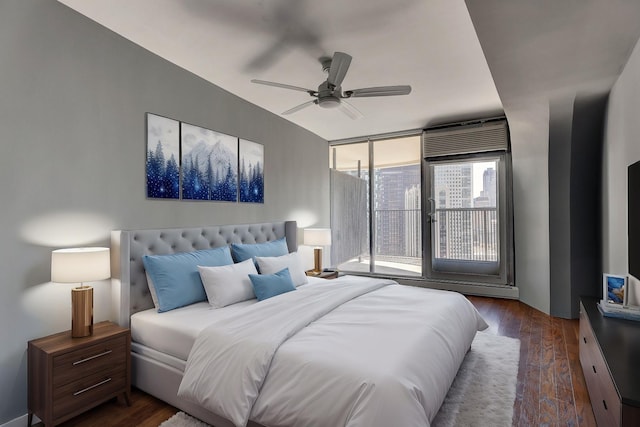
x: 435, y: 205
x: 390, y: 170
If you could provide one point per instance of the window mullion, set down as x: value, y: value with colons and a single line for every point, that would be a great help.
x: 372, y: 219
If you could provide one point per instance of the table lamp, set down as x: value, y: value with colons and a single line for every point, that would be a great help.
x: 79, y: 265
x: 317, y: 237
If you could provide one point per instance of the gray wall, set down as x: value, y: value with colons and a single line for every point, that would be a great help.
x: 537, y: 51
x: 529, y: 126
x: 575, y: 163
x: 586, y: 199
x: 622, y: 148
x: 73, y: 98
x: 560, y: 118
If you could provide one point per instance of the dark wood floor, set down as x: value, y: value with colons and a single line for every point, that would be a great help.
x: 550, y: 392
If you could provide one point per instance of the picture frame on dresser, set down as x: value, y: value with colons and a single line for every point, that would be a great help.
x: 614, y: 289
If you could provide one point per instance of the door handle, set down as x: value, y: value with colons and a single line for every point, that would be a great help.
x: 432, y: 210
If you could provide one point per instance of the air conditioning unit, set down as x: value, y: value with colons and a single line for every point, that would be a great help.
x: 467, y: 138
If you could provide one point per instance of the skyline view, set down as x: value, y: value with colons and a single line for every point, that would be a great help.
x: 464, y: 206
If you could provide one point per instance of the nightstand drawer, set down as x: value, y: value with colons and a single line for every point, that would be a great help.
x: 76, y: 396
x: 79, y: 363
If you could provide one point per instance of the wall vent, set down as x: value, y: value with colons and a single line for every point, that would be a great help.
x: 466, y: 139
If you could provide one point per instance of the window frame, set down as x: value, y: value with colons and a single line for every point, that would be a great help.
x: 507, y: 279
x: 470, y: 271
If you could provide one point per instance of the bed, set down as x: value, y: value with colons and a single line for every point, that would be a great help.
x: 350, y: 351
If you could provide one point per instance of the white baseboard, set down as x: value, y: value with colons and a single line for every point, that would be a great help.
x: 495, y: 291
x: 478, y: 289
x: 20, y: 421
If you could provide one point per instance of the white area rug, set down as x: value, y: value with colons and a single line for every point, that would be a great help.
x: 484, y: 390
x: 183, y: 420
x: 481, y: 395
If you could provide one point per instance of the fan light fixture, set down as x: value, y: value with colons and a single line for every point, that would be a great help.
x: 329, y: 102
x: 330, y: 94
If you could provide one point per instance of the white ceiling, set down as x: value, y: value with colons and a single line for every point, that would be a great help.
x: 546, y: 49
x: 428, y: 44
x: 537, y: 51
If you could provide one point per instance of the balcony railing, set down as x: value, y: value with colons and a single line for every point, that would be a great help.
x: 458, y: 233
x: 399, y: 234
x: 466, y: 234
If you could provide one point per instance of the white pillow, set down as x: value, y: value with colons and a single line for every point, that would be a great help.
x: 271, y: 265
x: 228, y: 284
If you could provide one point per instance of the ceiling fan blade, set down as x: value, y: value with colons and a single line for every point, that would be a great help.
x: 378, y: 91
x: 284, y: 86
x: 339, y: 67
x: 300, y: 107
x: 350, y: 110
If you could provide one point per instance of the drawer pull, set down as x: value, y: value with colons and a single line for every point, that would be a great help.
x: 584, y: 339
x: 91, y: 387
x: 594, y: 369
x: 605, y: 405
x: 86, y: 359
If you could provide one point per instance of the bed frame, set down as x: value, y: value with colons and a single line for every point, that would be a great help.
x: 130, y: 292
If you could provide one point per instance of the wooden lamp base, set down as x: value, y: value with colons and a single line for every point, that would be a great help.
x: 81, y: 311
x: 317, y: 260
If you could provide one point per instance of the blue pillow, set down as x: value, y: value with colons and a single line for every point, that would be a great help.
x: 242, y: 252
x: 176, y: 279
x: 269, y: 285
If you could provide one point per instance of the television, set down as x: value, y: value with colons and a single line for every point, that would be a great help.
x: 633, y: 219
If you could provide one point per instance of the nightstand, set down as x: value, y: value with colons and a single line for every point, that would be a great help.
x: 323, y: 274
x: 67, y: 376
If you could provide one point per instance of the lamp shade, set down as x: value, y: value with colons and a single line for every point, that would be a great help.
x: 76, y: 265
x: 317, y: 236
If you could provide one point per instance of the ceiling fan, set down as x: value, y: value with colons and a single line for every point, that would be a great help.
x: 330, y: 95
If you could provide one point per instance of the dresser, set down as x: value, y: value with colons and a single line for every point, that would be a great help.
x: 67, y: 376
x: 610, y: 359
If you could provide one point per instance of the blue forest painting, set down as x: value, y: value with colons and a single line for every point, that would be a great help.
x: 163, y: 152
x: 209, y: 164
x: 251, y: 172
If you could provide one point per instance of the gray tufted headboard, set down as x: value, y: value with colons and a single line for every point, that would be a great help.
x: 130, y: 292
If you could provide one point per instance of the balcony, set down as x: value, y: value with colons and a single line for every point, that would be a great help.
x: 460, y: 236
x: 469, y: 234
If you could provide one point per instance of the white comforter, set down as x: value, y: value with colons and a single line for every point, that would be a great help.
x: 353, y: 351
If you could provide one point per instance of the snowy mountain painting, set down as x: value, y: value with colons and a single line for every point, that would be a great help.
x: 209, y: 165
x: 163, y: 152
x: 251, y: 172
